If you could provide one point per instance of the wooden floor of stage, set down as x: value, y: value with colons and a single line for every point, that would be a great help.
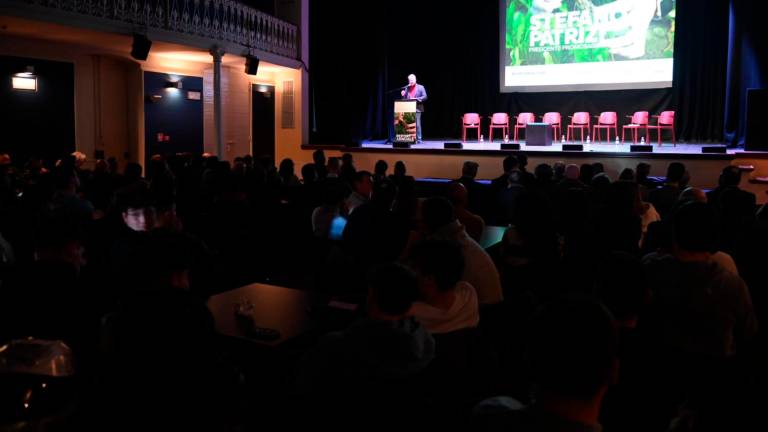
x: 602, y: 149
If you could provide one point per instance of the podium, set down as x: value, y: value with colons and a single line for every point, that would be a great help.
x: 405, y: 121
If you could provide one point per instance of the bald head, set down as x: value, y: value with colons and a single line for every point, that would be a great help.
x: 693, y: 194
x: 572, y: 172
x: 457, y: 194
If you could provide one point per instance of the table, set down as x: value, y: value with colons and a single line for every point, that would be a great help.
x: 280, y: 308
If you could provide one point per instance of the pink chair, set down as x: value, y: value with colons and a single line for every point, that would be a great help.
x: 499, y: 121
x: 664, y: 121
x: 639, y: 121
x: 470, y: 121
x: 606, y: 120
x: 580, y: 121
x: 553, y: 118
x: 522, y: 120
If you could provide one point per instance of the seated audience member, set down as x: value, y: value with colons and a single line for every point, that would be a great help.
x: 362, y: 186
x: 369, y: 368
x: 509, y: 164
x: 703, y: 312
x: 67, y: 185
x: 446, y: 302
x: 400, y: 175
x: 318, y: 157
x: 375, y: 233
x: 473, y: 223
x: 333, y: 168
x: 380, y: 171
x: 287, y: 173
x: 665, y: 197
x: 47, y: 299
x: 570, y: 179
x: 475, y: 190
x: 572, y: 354
x: 162, y: 346
x: 347, y: 170
x: 332, y: 208
x: 729, y: 180
x: 479, y: 270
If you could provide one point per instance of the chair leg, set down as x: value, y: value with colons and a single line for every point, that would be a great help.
x: 490, y: 134
x: 463, y: 134
x: 674, y: 144
x: 478, y: 133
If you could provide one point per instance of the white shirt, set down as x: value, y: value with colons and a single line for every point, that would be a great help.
x: 463, y: 313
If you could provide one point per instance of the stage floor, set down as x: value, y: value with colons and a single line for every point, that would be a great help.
x: 666, y: 148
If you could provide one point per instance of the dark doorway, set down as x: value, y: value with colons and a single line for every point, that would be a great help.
x: 263, y: 120
x: 37, y: 122
x: 173, y: 114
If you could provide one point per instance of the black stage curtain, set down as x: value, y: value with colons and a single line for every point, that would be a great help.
x: 454, y: 52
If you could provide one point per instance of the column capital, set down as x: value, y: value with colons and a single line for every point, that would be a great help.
x: 217, y: 53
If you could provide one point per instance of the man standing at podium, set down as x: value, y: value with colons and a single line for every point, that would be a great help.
x: 415, y: 91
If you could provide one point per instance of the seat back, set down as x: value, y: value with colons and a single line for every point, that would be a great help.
x: 471, y: 119
x: 640, y: 118
x: 580, y: 118
x: 500, y: 119
x: 667, y: 118
x: 552, y: 118
x: 525, y: 118
x: 607, y: 118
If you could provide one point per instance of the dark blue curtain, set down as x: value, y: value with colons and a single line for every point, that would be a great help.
x: 747, y: 68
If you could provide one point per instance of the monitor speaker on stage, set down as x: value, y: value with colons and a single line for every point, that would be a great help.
x: 714, y: 149
x: 510, y: 146
x: 401, y: 144
x: 640, y: 148
x: 452, y: 145
x: 573, y: 147
x: 538, y: 134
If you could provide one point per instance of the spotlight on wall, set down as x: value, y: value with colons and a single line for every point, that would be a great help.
x: 173, y: 84
x: 251, y: 65
x: 25, y: 80
x: 140, y: 47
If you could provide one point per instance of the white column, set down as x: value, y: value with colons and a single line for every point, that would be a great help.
x: 217, y: 53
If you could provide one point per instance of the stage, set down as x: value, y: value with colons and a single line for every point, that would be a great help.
x: 665, y: 150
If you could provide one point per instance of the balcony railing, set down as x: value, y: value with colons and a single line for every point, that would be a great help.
x: 222, y: 20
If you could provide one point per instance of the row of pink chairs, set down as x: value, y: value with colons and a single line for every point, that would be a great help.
x: 580, y: 121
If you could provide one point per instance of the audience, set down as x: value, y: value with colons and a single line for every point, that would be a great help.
x: 119, y: 265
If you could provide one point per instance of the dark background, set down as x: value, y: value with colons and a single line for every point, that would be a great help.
x: 41, y: 123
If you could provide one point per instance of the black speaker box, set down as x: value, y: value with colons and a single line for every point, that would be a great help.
x: 452, y: 145
x: 573, y: 147
x: 140, y: 47
x: 251, y: 65
x: 401, y: 145
x: 510, y: 146
x: 638, y: 148
x: 714, y: 149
